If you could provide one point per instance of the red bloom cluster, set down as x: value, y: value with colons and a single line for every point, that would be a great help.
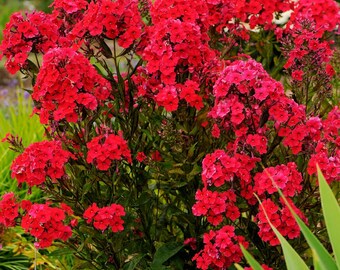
x: 69, y: 6
x: 178, y: 45
x: 328, y: 163
x: 66, y: 83
x: 40, y: 160
x: 46, y: 224
x: 282, y: 219
x: 221, y: 249
x: 327, y: 150
x: 331, y: 126
x: 36, y: 33
x: 219, y: 168
x: 113, y: 19
x: 109, y: 216
x: 104, y: 149
x: 213, y: 205
x: 246, y: 99
x: 8, y: 210
x: 255, y: 13
x: 295, y: 132
x: 285, y: 177
x: 325, y: 13
x: 307, y: 55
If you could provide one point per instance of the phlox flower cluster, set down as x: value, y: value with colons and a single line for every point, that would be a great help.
x: 8, y: 210
x: 284, y: 177
x: 112, y: 19
x: 104, y: 149
x: 325, y: 14
x: 327, y: 152
x: 246, y: 98
x: 35, y: 33
x: 177, y: 46
x: 282, y: 219
x: 317, y: 138
x: 308, y: 56
x: 66, y: 84
x: 46, y: 223
x: 102, y: 218
x: 215, y: 205
x: 256, y: 14
x: 221, y: 167
x: 221, y: 249
x: 69, y: 6
x: 39, y: 161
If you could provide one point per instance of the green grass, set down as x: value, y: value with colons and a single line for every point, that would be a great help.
x: 15, y: 119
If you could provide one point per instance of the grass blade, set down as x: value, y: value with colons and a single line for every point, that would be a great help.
x: 250, y: 259
x: 331, y: 212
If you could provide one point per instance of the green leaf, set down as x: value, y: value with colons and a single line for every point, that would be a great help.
x: 192, y: 150
x: 87, y: 187
x: 238, y: 267
x: 316, y: 261
x: 147, y: 133
x: 32, y: 66
x: 293, y: 260
x: 326, y: 260
x: 61, y: 252
x: 250, y: 259
x: 164, y: 253
x: 331, y: 212
x: 106, y: 51
x: 131, y: 265
x: 177, y: 171
x: 195, y: 170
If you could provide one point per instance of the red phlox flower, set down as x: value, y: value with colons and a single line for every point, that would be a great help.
x: 221, y: 249
x: 8, y: 210
x: 324, y: 13
x: 104, y: 149
x: 109, y: 216
x: 90, y: 212
x: 46, y: 223
x: 70, y: 7
x: 285, y: 177
x: 40, y: 160
x: 282, y: 219
x: 258, y: 142
x: 297, y: 75
x: 168, y: 98
x: 69, y: 82
x: 140, y: 156
x: 220, y: 167
x: 120, y: 19
x: 26, y: 33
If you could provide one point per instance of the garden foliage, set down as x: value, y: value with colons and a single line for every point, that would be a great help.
x: 163, y: 118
